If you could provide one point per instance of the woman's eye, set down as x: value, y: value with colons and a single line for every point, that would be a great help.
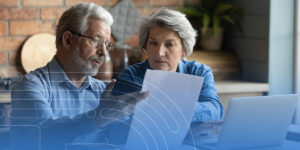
x: 152, y: 43
x: 170, y: 44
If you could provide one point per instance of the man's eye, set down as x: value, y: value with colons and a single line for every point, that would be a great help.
x: 109, y: 46
x: 95, y: 40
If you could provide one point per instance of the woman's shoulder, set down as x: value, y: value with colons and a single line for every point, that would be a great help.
x: 196, y: 68
x: 135, y: 72
x: 192, y: 64
x: 136, y: 68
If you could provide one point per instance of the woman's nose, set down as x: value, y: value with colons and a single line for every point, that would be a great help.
x: 161, y: 51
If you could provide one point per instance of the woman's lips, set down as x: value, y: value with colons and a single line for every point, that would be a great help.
x: 160, y: 61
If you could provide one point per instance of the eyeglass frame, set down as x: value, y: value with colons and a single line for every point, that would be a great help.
x: 98, y: 40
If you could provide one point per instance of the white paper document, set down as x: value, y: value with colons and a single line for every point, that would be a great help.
x: 162, y: 120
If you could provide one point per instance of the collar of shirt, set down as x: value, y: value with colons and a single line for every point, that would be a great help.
x: 181, y: 68
x: 58, y: 76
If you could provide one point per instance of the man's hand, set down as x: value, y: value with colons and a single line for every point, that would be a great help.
x: 112, y: 108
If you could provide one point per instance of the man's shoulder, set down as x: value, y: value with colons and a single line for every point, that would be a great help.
x: 37, y: 77
x: 100, y: 85
x: 40, y: 74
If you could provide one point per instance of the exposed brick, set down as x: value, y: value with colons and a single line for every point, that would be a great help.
x: 18, y: 13
x: 165, y: 2
x: 113, y: 2
x: 136, y: 2
x: 139, y: 2
x: 3, y: 28
x: 56, y: 22
x: 30, y: 27
x: 133, y: 41
x: 3, y: 58
x: 11, y: 43
x: 42, y: 2
x: 12, y: 58
x: 73, y: 2
x: 51, y: 13
x: 9, y: 3
x: 11, y: 71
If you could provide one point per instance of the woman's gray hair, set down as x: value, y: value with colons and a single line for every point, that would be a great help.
x: 173, y: 20
x: 76, y: 19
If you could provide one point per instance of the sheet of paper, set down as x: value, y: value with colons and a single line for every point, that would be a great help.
x: 162, y: 120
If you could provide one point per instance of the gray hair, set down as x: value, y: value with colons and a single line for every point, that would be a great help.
x: 173, y: 20
x: 76, y: 19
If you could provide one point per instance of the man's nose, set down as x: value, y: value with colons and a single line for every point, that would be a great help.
x: 101, y: 50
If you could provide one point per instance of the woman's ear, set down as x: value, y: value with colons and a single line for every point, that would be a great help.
x: 66, y: 39
x: 145, y: 52
x: 183, y: 53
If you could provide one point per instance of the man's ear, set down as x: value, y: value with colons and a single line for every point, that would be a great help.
x: 66, y: 39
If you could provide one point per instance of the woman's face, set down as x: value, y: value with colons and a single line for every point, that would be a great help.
x: 164, y: 49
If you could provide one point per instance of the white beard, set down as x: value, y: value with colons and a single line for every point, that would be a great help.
x: 87, y: 67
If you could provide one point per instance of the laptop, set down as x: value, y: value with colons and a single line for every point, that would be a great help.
x: 254, y: 122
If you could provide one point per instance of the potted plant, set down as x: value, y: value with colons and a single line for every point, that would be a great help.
x: 211, y: 17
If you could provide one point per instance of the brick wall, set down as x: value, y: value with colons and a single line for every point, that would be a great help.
x: 19, y: 19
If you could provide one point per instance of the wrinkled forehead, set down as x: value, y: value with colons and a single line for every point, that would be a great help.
x: 98, y: 27
x: 158, y: 32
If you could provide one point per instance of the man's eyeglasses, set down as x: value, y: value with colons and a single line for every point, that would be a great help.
x: 97, y: 41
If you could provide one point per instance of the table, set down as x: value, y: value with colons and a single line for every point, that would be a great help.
x: 200, y: 129
x: 213, y: 128
x: 208, y: 129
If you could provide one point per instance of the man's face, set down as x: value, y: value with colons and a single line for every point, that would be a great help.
x: 87, y: 56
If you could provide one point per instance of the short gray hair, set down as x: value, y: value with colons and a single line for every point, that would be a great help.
x: 173, y: 20
x: 76, y: 19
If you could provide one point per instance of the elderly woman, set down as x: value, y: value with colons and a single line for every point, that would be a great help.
x: 167, y: 36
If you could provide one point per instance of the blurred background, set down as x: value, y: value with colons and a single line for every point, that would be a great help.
x: 251, y: 45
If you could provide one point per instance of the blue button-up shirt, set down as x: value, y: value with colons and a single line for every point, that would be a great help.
x: 48, y: 99
x: 48, y: 93
x: 208, y: 107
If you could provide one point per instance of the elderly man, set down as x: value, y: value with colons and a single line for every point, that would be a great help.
x: 62, y: 96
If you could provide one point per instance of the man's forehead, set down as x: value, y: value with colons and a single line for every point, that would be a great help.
x: 93, y: 21
x: 98, y: 25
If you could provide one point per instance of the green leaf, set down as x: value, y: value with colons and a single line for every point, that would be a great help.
x: 226, y: 17
x: 191, y: 12
x: 215, y: 14
x: 222, y: 8
x: 206, y: 22
x: 216, y: 24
